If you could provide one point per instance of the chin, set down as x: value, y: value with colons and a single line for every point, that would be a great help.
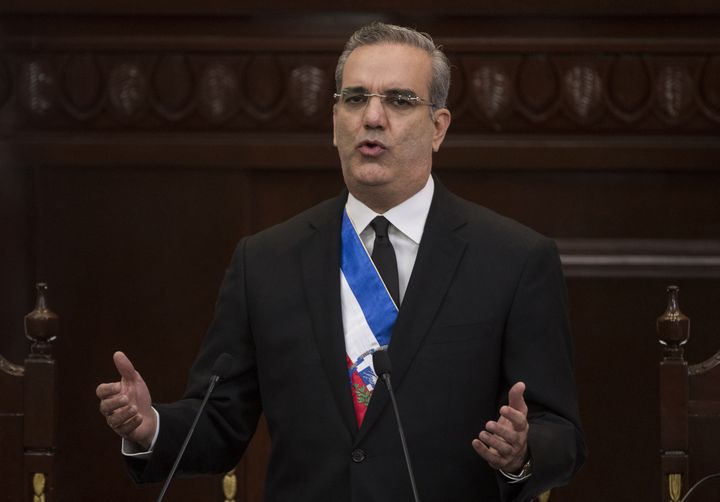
x: 370, y: 181
x: 370, y: 173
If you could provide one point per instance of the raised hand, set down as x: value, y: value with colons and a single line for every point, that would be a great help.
x: 503, y: 443
x: 126, y: 405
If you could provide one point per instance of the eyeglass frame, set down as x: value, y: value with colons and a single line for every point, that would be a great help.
x: 408, y: 95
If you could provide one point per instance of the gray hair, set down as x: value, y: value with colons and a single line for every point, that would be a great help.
x: 381, y: 33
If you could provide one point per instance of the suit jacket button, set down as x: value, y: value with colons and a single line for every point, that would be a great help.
x: 358, y: 455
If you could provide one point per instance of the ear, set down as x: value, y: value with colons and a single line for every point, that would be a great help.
x: 334, y: 136
x: 441, y: 122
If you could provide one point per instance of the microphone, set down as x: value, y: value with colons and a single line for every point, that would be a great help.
x: 220, y: 369
x: 706, y: 478
x: 382, y: 366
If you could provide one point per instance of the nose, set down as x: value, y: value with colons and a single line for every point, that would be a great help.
x: 374, y: 113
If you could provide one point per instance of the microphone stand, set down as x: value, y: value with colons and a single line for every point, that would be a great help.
x: 213, y: 380
x: 381, y: 362
x: 687, y: 495
x: 219, y: 370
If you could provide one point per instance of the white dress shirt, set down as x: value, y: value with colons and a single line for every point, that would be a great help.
x: 407, y: 222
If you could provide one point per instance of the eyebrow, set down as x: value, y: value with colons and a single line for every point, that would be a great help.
x: 363, y: 90
x: 358, y: 89
x: 407, y: 92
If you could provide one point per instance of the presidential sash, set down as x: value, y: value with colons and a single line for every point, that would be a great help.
x: 368, y: 312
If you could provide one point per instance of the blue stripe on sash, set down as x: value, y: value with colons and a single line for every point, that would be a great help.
x: 377, y: 305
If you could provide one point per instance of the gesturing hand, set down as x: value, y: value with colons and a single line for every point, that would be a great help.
x: 503, y: 443
x: 126, y: 404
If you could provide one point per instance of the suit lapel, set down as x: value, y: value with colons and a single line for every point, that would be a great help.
x: 438, y: 257
x: 320, y: 257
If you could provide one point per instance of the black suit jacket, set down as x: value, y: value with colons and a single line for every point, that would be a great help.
x: 485, y: 307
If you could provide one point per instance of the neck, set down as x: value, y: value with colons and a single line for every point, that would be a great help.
x: 381, y: 201
x: 378, y: 202
x: 379, y: 205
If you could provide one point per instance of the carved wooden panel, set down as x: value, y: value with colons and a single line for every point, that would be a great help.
x: 621, y: 92
x: 104, y: 91
x: 642, y: 92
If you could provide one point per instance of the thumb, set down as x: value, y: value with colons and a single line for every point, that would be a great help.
x: 124, y: 366
x: 516, y: 398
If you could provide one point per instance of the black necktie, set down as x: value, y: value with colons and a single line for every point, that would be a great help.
x: 383, y: 256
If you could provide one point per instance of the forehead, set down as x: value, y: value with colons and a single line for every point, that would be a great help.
x: 381, y: 67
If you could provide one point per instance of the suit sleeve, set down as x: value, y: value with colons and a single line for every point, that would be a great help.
x: 538, y: 351
x: 230, y: 418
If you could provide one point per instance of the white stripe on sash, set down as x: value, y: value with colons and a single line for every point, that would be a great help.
x: 368, y: 311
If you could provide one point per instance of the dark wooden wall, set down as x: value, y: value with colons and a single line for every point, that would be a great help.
x: 140, y: 140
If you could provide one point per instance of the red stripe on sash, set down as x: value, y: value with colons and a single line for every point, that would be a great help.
x: 360, y: 393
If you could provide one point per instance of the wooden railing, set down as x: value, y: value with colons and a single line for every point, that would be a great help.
x: 28, y: 407
x: 689, y: 411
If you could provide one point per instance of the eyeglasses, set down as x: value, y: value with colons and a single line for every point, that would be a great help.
x: 395, y: 101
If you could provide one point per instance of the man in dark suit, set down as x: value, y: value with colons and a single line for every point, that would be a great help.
x: 470, y: 305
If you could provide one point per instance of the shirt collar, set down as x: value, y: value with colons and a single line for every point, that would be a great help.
x: 408, y: 216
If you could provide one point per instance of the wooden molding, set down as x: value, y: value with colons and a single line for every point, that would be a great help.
x: 93, y: 74
x: 640, y: 257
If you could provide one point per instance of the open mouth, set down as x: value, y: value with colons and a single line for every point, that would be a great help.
x: 371, y: 148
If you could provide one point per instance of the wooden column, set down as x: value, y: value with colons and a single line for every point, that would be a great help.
x: 673, y: 329
x: 40, y: 402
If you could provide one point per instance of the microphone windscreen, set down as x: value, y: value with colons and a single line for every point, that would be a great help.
x: 381, y: 362
x: 223, y: 365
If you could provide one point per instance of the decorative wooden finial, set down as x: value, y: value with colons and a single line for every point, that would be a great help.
x: 673, y: 327
x: 41, y: 325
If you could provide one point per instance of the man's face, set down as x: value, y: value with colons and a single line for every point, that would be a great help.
x: 386, y: 151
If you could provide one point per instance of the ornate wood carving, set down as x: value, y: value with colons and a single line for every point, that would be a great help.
x: 37, y: 86
x: 41, y: 326
x: 11, y: 369
x: 128, y: 90
x: 309, y: 88
x: 218, y: 94
x: 525, y: 92
x: 706, y: 365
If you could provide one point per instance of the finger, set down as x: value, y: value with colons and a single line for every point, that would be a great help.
x: 121, y: 415
x: 513, y: 418
x: 497, y: 443
x: 490, y: 456
x: 129, y: 426
x: 505, y: 431
x: 124, y: 366
x: 516, y: 398
x: 484, y: 450
x: 105, y: 390
x: 109, y: 405
x: 503, y: 420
